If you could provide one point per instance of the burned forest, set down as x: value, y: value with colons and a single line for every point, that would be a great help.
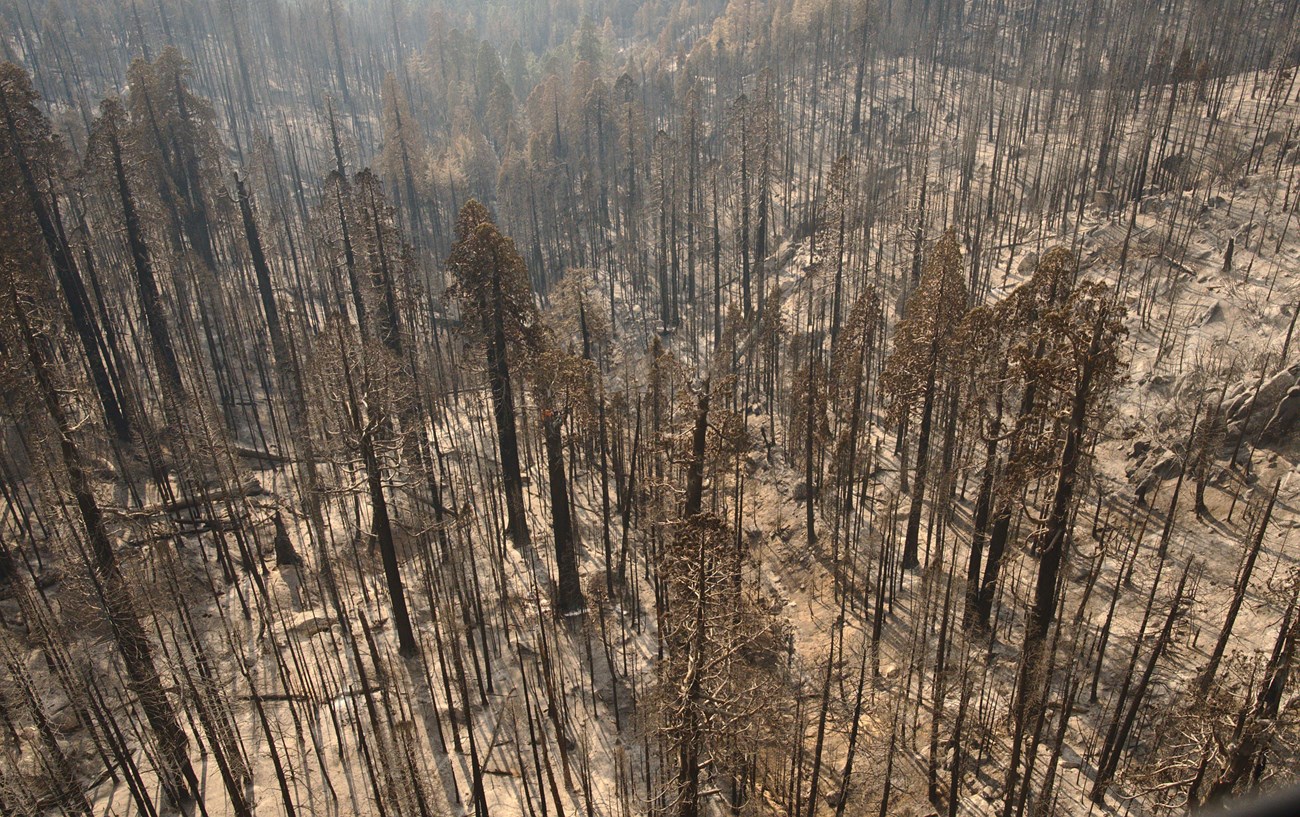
x: 684, y: 408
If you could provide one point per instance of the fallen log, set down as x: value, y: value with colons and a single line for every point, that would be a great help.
x: 260, y: 455
x: 249, y: 488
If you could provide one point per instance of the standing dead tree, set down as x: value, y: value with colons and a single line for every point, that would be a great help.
x: 715, y: 688
x: 362, y: 391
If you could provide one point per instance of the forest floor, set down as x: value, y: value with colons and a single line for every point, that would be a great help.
x: 318, y: 694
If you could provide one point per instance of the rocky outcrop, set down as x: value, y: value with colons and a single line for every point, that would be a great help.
x: 1269, y: 410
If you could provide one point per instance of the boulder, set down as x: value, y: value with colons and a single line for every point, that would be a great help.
x: 1027, y: 265
x: 1149, y: 468
x: 1285, y: 418
x: 1152, y: 204
x: 48, y: 578
x: 65, y: 721
x: 1138, y: 452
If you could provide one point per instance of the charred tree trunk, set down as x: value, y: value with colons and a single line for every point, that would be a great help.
x: 695, y: 471
x: 911, y: 544
x: 569, y: 599
x: 503, y: 411
x: 146, y: 284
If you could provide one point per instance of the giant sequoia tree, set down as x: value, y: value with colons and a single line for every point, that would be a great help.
x: 491, y: 284
x: 1082, y: 359
x: 1006, y: 349
x: 1077, y: 368
x: 179, y: 144
x: 917, y: 369
x: 563, y: 385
